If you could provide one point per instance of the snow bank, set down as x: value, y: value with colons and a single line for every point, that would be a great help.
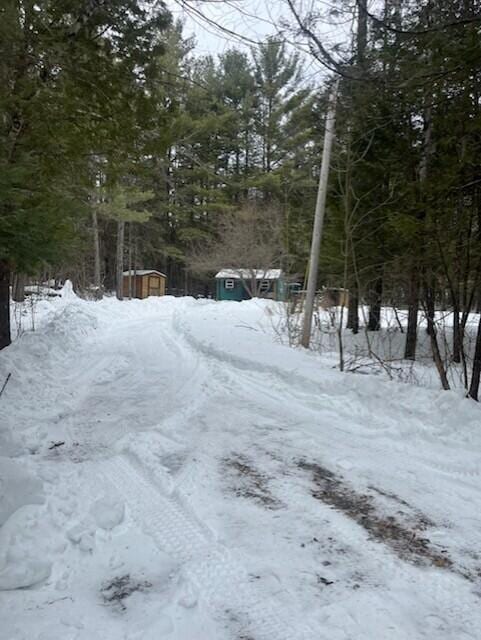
x: 243, y: 335
x: 8, y: 446
x: 18, y: 487
x: 22, y: 563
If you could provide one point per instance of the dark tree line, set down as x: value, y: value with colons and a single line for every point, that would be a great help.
x: 405, y: 223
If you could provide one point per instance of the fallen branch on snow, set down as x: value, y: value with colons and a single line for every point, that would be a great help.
x: 5, y: 384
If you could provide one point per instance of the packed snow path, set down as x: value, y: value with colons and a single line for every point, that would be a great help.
x: 242, y: 490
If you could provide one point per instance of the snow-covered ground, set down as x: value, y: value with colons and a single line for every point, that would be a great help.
x: 170, y: 471
x: 381, y: 352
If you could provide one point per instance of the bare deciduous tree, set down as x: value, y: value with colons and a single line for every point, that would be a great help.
x: 249, y: 241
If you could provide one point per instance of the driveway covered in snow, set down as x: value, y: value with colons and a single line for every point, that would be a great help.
x: 170, y: 471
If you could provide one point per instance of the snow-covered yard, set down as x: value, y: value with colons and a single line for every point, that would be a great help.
x: 170, y: 471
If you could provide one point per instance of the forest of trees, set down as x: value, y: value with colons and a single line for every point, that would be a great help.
x: 120, y: 147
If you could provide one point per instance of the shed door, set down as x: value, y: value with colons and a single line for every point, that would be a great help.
x: 154, y: 286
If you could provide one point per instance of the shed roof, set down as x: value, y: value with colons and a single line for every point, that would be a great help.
x: 246, y: 274
x: 143, y: 272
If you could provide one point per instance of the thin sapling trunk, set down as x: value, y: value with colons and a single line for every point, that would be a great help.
x: 476, y: 374
x: 413, y: 308
x: 96, y: 240
x: 5, y: 337
x: 120, y: 259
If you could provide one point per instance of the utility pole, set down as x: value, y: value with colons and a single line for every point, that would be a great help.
x: 319, y: 217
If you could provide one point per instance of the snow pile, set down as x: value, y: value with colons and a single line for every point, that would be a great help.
x: 18, y: 488
x: 107, y: 513
x: 67, y: 291
x: 21, y: 562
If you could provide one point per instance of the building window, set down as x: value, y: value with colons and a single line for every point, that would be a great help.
x: 265, y: 286
x: 229, y: 284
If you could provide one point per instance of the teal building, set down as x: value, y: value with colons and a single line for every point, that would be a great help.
x: 237, y: 284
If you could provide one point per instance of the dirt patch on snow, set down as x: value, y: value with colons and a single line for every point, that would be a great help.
x: 76, y: 452
x: 115, y: 591
x: 405, y: 540
x: 248, y: 482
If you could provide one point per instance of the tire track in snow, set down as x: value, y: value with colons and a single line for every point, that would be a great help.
x: 297, y: 386
x: 243, y: 376
x: 119, y: 370
x: 454, y: 471
x: 378, y: 440
x: 219, y: 577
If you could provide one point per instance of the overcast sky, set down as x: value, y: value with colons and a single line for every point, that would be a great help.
x: 251, y: 20
x: 218, y: 25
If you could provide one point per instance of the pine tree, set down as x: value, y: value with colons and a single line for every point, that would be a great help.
x: 71, y: 78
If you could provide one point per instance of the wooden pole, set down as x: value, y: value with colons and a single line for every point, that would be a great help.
x: 319, y: 217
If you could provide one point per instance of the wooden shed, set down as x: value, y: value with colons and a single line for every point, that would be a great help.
x: 143, y: 283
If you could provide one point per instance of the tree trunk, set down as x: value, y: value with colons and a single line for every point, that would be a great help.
x: 361, y: 30
x: 475, y: 377
x: 438, y: 361
x: 135, y: 270
x: 5, y: 338
x: 353, y: 311
x: 120, y: 260
x: 412, y: 328
x: 18, y: 292
x: 457, y: 334
x: 130, y: 261
x: 97, y: 276
x: 374, y: 322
